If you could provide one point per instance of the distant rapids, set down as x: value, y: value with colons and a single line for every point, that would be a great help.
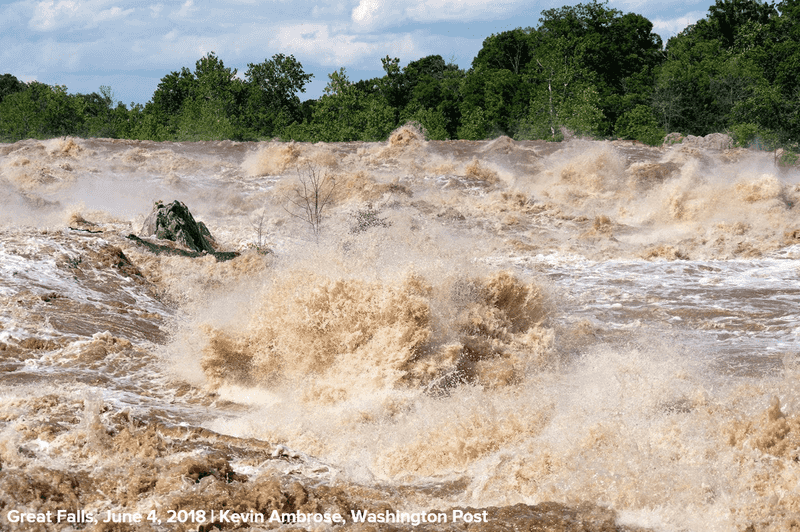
x: 587, y: 335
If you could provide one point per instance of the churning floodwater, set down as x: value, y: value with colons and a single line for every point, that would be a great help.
x: 486, y: 335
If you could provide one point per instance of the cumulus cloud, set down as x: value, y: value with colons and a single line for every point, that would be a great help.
x: 50, y: 15
x: 372, y: 14
x: 337, y: 49
x: 110, y: 14
x: 367, y: 12
x: 47, y: 14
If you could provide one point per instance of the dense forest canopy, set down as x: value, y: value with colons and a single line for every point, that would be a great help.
x: 587, y: 69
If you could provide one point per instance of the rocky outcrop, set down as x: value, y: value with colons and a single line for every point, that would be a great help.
x: 713, y: 141
x: 173, y: 221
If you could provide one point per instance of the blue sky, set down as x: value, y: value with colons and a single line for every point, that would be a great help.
x: 131, y: 44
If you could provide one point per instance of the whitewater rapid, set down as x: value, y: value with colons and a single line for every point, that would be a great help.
x: 584, y: 334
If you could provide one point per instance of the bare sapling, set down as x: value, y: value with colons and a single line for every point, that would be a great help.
x: 311, y: 195
x: 260, y: 227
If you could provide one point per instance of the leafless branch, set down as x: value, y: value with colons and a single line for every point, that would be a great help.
x: 311, y: 195
x: 259, y: 225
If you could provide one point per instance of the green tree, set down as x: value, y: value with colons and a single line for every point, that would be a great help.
x: 39, y: 111
x: 684, y: 83
x: 272, y: 101
x: 210, y: 119
x: 213, y: 110
x: 782, y: 64
x: 100, y: 119
x: 161, y: 114
x: 173, y: 90
x: 495, y: 82
x: 346, y: 112
x: 723, y: 71
x: 432, y: 95
x: 726, y: 18
x: 9, y: 85
x: 433, y: 121
x: 563, y: 93
x: 474, y: 125
x: 509, y: 50
x: 640, y: 124
x: 202, y: 105
x: 392, y: 85
x: 668, y: 101
x: 620, y: 50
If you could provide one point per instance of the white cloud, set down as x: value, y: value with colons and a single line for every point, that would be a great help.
x: 109, y: 14
x: 338, y: 49
x: 670, y: 27
x: 366, y: 11
x: 48, y: 14
x: 464, y: 10
x: 372, y: 14
x: 175, y: 49
x: 186, y: 10
x: 660, y: 6
x: 156, y: 9
x: 51, y: 15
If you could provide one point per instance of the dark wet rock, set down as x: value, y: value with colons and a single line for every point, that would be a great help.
x: 159, y: 249
x: 173, y: 221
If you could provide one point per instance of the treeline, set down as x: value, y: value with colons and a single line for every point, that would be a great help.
x: 588, y: 69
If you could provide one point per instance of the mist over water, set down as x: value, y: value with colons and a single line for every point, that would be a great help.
x: 584, y: 333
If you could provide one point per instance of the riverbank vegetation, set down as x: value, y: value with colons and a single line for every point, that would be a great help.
x: 586, y: 70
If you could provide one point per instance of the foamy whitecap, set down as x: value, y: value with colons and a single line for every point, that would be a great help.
x: 598, y: 333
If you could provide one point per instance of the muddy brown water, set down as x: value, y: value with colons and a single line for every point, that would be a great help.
x: 536, y: 336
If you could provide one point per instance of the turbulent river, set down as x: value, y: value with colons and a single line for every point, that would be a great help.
x: 498, y: 335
